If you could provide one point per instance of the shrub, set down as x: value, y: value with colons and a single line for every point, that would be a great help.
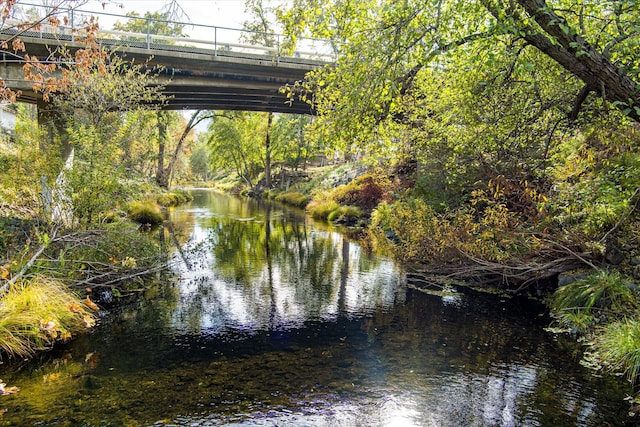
x: 415, y: 231
x: 99, y: 256
x: 365, y: 192
x: 145, y: 212
x: 37, y: 313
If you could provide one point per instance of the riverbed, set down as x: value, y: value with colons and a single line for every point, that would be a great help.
x: 272, y: 319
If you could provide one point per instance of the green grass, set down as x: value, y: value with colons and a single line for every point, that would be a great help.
x: 345, y: 213
x: 619, y: 347
x: 37, y: 313
x: 174, y: 198
x: 145, y: 212
x: 320, y: 209
x: 591, y: 299
x: 293, y: 198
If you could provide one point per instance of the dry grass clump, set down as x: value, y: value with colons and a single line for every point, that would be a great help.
x: 37, y: 313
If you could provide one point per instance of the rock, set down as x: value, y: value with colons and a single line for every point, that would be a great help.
x: 567, y: 277
x: 636, y: 272
x: 635, y: 260
x: 612, y: 252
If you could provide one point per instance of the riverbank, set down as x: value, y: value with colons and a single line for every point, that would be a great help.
x: 279, y: 319
x: 54, y: 279
x: 491, y: 244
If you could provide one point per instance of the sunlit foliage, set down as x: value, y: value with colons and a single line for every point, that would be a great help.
x: 37, y: 313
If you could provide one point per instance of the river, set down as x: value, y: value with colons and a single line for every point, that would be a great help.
x: 275, y: 320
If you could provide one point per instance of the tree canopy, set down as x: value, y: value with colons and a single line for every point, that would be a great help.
x: 386, y: 47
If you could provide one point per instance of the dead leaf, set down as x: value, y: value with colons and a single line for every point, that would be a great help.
x: 4, y: 390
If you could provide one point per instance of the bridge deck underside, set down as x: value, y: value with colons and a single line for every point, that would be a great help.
x: 213, y: 80
x: 196, y: 98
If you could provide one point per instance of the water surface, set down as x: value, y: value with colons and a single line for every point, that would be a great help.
x: 274, y: 320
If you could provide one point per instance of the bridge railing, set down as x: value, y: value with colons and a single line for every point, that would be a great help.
x: 222, y: 41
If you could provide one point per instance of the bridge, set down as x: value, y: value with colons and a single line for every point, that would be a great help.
x: 216, y: 71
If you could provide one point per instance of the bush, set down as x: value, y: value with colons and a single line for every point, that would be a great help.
x: 96, y: 257
x: 365, y: 192
x: 145, y: 213
x: 37, y: 313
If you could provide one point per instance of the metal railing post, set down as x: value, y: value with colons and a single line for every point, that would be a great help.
x: 148, y: 35
x: 215, y: 41
x: 73, y: 33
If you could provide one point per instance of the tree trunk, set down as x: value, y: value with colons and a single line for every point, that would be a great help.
x: 161, y: 178
x: 565, y: 46
x: 267, y: 157
x: 193, y: 121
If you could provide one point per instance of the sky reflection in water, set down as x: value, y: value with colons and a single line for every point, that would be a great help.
x: 276, y: 320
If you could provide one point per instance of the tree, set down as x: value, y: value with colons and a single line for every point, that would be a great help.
x: 383, y: 47
x: 236, y: 139
x: 40, y: 73
x: 259, y: 29
x: 289, y: 142
x: 197, y: 117
x: 160, y: 23
x: 92, y: 102
x: 200, y: 159
x: 593, y: 41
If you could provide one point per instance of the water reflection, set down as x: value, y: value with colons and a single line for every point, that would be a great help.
x: 260, y: 269
x: 275, y: 320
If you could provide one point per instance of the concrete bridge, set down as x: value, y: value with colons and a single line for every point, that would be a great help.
x: 205, y: 73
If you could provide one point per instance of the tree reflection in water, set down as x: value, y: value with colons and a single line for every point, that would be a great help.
x: 276, y: 320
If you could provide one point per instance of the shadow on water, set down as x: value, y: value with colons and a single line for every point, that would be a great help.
x: 275, y: 320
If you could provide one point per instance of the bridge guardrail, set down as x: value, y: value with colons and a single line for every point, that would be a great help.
x: 213, y: 39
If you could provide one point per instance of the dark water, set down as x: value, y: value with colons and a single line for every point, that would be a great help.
x: 276, y: 321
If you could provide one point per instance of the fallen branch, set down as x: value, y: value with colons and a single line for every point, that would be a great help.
x: 145, y: 272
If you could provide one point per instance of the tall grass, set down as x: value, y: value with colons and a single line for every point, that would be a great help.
x: 320, y: 209
x: 593, y: 299
x: 619, y: 347
x: 293, y: 198
x: 36, y: 313
x: 345, y: 213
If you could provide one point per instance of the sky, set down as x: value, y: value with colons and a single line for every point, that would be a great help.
x: 221, y: 13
